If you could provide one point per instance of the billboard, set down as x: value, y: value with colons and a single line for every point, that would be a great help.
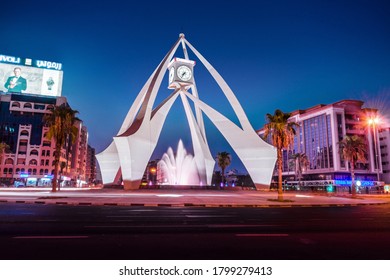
x: 27, y: 76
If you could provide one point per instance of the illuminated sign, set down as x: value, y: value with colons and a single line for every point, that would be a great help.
x: 9, y: 59
x: 48, y: 64
x: 28, y: 76
x: 349, y: 182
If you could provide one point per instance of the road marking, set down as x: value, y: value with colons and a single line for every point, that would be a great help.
x: 124, y: 216
x: 209, y: 216
x: 51, y: 237
x: 139, y: 210
x: 239, y: 226
x: 262, y: 234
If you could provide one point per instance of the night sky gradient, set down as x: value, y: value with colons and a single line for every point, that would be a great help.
x: 273, y: 54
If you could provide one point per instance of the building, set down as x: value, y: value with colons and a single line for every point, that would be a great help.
x: 320, y: 129
x: 90, y: 168
x: 28, y: 90
x: 384, y: 140
x: 30, y: 158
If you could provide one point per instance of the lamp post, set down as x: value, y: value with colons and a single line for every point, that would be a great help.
x: 373, y: 122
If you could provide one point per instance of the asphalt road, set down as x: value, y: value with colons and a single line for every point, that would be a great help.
x: 33, y: 231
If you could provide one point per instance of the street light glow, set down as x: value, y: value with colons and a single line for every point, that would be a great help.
x: 373, y: 121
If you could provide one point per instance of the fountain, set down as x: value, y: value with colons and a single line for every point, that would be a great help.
x: 178, y: 170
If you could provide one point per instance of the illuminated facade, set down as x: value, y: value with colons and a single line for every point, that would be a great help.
x: 90, y: 168
x: 384, y: 140
x: 29, y: 161
x: 321, y: 128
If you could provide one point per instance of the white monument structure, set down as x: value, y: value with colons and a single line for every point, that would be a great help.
x: 128, y: 155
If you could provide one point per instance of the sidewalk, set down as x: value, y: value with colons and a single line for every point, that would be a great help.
x: 183, y: 198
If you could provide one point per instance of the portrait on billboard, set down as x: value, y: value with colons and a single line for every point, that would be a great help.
x: 30, y: 80
x: 16, y: 83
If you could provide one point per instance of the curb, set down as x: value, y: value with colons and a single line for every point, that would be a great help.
x: 187, y: 204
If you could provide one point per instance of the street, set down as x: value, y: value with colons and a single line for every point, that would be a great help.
x: 33, y: 231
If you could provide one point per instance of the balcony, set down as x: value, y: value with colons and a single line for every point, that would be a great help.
x: 355, y: 131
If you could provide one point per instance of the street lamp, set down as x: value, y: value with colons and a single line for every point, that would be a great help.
x: 374, y: 122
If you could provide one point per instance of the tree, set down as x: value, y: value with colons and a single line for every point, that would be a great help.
x: 353, y: 148
x: 300, y: 161
x: 4, y: 148
x: 282, y: 135
x: 223, y: 160
x: 62, y: 166
x: 61, y: 122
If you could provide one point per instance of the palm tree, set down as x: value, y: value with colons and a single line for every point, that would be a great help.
x: 300, y: 161
x: 282, y: 135
x: 61, y: 123
x: 62, y: 166
x: 353, y: 148
x: 223, y: 160
x: 4, y: 148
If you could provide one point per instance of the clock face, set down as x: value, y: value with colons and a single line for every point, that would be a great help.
x: 184, y: 73
x: 171, y: 74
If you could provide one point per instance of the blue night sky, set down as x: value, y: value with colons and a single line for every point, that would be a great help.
x: 273, y: 54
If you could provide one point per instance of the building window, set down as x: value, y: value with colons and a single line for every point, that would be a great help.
x: 39, y: 106
x: 24, y: 133
x: 34, y: 152
x: 340, y: 136
x: 9, y: 161
x: 27, y: 105
x: 318, y: 142
x: 46, y: 143
x: 33, y: 162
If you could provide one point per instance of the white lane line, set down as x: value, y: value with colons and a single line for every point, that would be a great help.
x: 139, y: 210
x: 262, y: 234
x: 124, y: 216
x: 210, y: 216
x: 239, y: 226
x: 51, y: 237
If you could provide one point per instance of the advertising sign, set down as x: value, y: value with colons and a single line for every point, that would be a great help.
x: 27, y: 76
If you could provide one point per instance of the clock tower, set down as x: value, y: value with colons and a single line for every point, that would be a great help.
x: 181, y: 73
